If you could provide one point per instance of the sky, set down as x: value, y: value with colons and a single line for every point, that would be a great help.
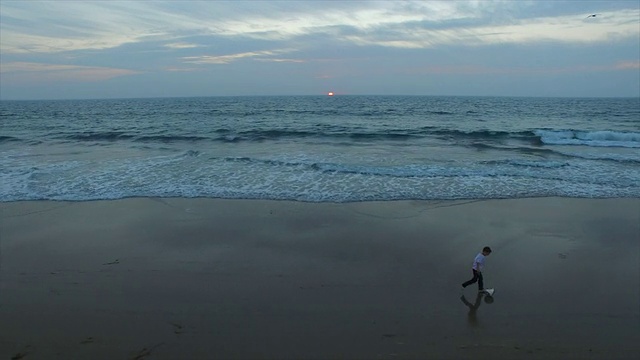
x: 132, y: 49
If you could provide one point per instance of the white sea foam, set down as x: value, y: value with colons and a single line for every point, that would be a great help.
x: 304, y: 178
x: 590, y: 138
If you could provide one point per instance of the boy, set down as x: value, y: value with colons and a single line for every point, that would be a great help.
x: 478, y: 265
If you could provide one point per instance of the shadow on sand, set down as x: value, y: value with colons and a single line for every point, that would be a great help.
x: 473, y: 308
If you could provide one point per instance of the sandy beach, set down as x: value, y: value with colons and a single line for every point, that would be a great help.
x: 245, y: 279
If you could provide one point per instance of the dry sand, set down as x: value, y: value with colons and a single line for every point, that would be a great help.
x: 240, y: 279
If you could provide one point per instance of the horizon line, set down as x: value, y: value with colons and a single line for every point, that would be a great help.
x: 320, y: 95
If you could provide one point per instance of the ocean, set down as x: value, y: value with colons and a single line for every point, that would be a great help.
x: 320, y: 148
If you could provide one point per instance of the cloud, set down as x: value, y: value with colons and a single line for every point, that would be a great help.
x: 178, y: 69
x: 282, y: 60
x: 56, y: 72
x: 181, y: 45
x: 50, y: 27
x: 46, y: 27
x: 561, y: 29
x: 226, y: 59
x: 628, y: 65
x: 510, y: 70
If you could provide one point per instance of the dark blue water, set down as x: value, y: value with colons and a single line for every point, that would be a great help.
x: 343, y: 148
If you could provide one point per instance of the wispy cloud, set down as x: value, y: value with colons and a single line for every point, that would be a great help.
x: 56, y: 72
x: 63, y: 25
x: 181, y: 45
x: 628, y: 65
x: 180, y: 69
x: 519, y: 70
x: 226, y: 59
x: 561, y: 29
x: 279, y: 60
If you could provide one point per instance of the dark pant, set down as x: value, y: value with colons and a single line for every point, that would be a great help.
x: 477, y: 276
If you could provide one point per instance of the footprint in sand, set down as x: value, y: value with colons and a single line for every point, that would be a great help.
x: 23, y: 354
x: 142, y: 354
x: 177, y: 328
x: 145, y: 352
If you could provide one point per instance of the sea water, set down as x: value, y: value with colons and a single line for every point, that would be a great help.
x: 320, y: 148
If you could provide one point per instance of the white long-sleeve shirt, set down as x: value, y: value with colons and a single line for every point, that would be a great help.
x: 478, y: 262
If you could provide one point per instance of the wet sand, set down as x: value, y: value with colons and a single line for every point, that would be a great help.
x: 244, y: 279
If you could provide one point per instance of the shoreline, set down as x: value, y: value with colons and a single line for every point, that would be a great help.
x: 325, y: 202
x: 256, y: 279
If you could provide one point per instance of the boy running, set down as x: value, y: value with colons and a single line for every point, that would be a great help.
x: 478, y: 265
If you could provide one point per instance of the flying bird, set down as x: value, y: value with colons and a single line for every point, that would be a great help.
x: 592, y: 15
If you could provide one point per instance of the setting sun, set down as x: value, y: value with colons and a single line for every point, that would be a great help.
x: 330, y: 93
